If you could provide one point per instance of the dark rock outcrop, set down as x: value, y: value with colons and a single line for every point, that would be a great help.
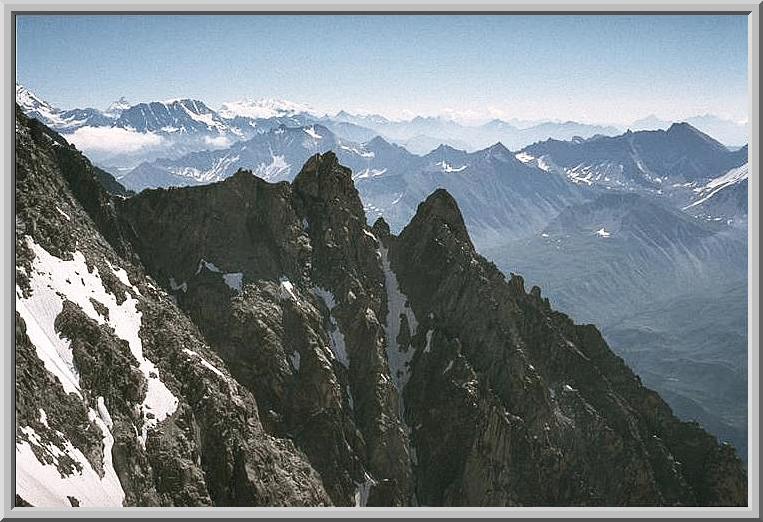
x: 539, y: 410
x: 290, y: 245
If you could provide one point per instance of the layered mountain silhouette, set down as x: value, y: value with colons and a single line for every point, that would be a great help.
x: 256, y: 343
x: 595, y: 273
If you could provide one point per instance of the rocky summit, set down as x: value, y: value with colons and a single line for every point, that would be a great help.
x: 248, y: 343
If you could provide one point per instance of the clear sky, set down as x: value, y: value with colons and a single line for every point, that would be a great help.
x: 610, y: 69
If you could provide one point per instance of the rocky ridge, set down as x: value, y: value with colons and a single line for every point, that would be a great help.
x: 119, y: 399
x: 303, y: 358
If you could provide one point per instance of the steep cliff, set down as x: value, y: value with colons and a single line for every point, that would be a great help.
x: 119, y: 399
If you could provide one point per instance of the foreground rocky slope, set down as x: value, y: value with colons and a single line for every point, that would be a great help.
x: 119, y: 400
x: 284, y: 281
x: 249, y: 343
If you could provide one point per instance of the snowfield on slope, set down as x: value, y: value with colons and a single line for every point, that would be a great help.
x: 53, y: 280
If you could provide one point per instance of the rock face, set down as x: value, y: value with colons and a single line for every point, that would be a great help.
x: 119, y: 400
x: 300, y: 326
x: 250, y: 343
x: 539, y: 410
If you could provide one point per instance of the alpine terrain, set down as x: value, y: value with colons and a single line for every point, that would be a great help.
x: 255, y: 342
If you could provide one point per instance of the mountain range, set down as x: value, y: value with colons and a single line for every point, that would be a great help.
x: 731, y: 133
x: 611, y: 227
x: 256, y: 343
x: 169, y: 129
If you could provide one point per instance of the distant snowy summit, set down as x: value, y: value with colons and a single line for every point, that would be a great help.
x: 68, y: 120
x: 263, y: 108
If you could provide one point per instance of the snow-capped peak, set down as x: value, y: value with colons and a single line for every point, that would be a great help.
x: 263, y: 108
x: 36, y: 107
x: 29, y: 101
x: 117, y: 107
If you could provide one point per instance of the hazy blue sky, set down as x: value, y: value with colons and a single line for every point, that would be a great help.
x: 590, y: 68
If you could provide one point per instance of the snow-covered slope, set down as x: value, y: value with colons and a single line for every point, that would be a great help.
x: 35, y: 107
x: 263, y: 108
x: 723, y: 198
x: 182, y: 116
x: 715, y: 185
x: 65, y: 121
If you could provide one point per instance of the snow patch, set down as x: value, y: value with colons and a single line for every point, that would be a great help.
x: 602, y: 232
x: 103, y: 412
x: 183, y: 287
x: 428, y: 347
x: 310, y: 131
x: 43, y: 418
x: 294, y: 357
x: 277, y: 167
x: 50, y: 279
x: 446, y: 167
x: 209, y: 266
x: 368, y: 173
x: 397, y: 305
x: 286, y: 289
x: 338, y: 346
x: 363, y: 490
x: 524, y: 157
x: 42, y: 485
x: 121, y: 274
x: 235, y: 281
x: 63, y: 213
x: 361, y: 153
x: 208, y: 365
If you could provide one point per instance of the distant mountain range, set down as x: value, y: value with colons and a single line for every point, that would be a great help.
x: 422, y: 134
x: 502, y: 197
x: 169, y: 129
x: 649, y: 255
x: 731, y: 133
x: 668, y: 163
x: 538, y: 181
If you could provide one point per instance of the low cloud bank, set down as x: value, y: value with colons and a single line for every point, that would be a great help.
x: 113, y: 140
